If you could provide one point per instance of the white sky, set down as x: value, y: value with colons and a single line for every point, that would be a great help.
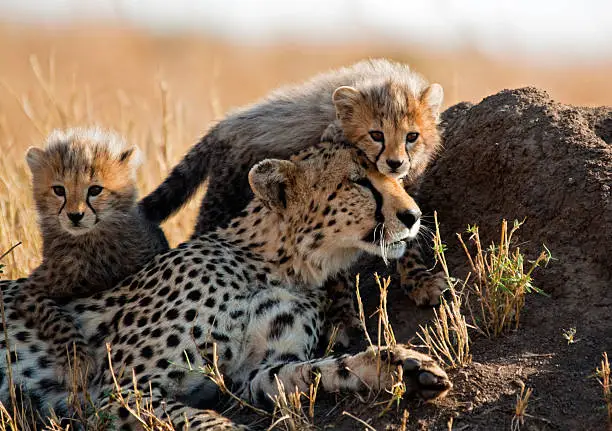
x: 552, y: 30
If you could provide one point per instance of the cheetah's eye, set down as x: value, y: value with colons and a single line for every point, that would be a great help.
x: 59, y: 190
x: 377, y: 136
x: 412, y: 137
x: 94, y: 191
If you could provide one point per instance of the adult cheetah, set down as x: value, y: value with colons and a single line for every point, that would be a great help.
x: 384, y: 108
x: 252, y: 288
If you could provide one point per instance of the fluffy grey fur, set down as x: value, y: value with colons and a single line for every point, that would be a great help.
x: 287, y: 121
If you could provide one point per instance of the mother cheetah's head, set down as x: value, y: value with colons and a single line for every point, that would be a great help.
x: 333, y: 203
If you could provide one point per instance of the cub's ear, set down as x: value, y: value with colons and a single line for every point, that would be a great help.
x: 433, y: 96
x: 131, y: 157
x: 270, y: 179
x: 345, y: 98
x: 36, y: 159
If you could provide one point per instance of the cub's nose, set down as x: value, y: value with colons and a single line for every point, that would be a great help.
x: 409, y: 217
x: 394, y: 164
x: 75, y: 218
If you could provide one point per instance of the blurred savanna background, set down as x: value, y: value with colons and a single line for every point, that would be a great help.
x: 162, y: 72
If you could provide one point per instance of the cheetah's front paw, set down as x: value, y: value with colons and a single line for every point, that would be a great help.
x: 427, y: 290
x: 423, y: 377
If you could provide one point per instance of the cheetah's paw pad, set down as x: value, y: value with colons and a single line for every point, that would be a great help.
x: 422, y: 375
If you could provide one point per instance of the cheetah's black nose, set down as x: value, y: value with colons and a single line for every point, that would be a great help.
x: 409, y: 217
x: 75, y: 218
x: 394, y: 164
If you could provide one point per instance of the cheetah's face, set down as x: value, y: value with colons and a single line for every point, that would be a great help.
x: 80, y: 183
x: 396, y: 129
x: 335, y: 201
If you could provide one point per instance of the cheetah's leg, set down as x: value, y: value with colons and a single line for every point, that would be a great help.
x: 279, y: 343
x: 57, y: 326
x: 341, y: 311
x: 181, y: 417
x: 421, y: 374
x: 420, y: 284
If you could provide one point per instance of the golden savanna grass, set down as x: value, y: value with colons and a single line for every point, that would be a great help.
x: 47, y: 108
x: 603, y: 375
x: 520, y: 409
x: 447, y: 335
x: 164, y: 92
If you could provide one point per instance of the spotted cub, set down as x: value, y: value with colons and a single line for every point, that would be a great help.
x: 84, y: 186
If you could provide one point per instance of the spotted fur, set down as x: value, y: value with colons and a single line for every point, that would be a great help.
x: 254, y: 289
x: 352, y: 104
x: 369, y: 95
x: 84, y: 187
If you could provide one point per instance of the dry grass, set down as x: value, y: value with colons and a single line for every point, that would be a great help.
x: 604, y: 378
x: 366, y: 425
x: 213, y: 372
x: 163, y: 93
x: 14, y: 417
x: 386, y: 338
x: 520, y: 409
x: 502, y: 280
x: 136, y: 402
x: 47, y: 108
x: 447, y: 337
x: 289, y: 413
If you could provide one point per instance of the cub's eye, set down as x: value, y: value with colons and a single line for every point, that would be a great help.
x: 94, y: 190
x: 377, y: 136
x: 59, y: 190
x: 412, y: 137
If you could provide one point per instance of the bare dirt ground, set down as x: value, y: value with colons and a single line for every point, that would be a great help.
x: 517, y: 154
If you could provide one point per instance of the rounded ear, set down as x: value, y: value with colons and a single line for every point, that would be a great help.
x: 132, y: 157
x: 434, y: 96
x: 345, y: 98
x: 35, y: 157
x: 269, y: 180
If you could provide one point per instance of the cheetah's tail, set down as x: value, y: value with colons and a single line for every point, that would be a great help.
x: 184, y: 180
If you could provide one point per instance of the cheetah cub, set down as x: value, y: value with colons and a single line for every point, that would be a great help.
x: 84, y: 186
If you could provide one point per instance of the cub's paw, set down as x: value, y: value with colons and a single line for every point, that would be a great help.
x: 423, y: 376
x: 428, y: 289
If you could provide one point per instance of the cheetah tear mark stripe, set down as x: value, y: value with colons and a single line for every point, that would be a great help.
x: 62, y: 207
x: 382, y: 150
x: 379, y: 217
x: 92, y: 209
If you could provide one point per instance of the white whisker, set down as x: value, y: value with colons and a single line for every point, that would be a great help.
x: 374, y: 235
x: 383, y: 247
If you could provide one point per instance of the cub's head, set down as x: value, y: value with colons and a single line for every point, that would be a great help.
x: 81, y: 178
x: 333, y: 203
x: 394, y: 124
